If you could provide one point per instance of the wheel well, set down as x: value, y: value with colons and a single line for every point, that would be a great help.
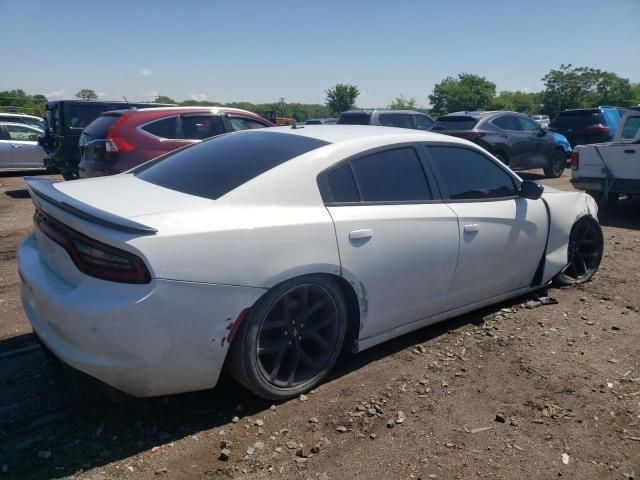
x: 500, y: 151
x: 353, y: 309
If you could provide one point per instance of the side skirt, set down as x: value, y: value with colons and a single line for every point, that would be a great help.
x: 364, y: 343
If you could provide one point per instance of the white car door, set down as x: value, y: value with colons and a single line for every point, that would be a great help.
x: 25, y: 151
x: 396, y: 239
x: 5, y: 149
x: 502, y: 235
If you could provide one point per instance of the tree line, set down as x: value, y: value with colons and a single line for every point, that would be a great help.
x: 565, y: 87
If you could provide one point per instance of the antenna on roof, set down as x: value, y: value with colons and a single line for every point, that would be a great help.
x: 125, y: 99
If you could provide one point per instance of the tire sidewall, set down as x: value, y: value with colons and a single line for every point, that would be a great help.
x: 563, y: 279
x: 244, y: 356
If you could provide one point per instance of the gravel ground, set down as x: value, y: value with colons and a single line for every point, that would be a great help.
x: 506, y: 392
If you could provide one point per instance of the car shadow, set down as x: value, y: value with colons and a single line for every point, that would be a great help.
x: 18, y: 194
x: 23, y: 173
x: 626, y: 214
x: 42, y: 412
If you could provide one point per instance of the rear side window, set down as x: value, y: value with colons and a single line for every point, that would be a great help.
x: 468, y: 175
x: 391, y: 176
x: 342, y: 185
x: 163, y: 128
x: 354, y: 119
x: 454, y: 123
x: 99, y: 128
x: 81, y: 115
x: 399, y: 120
x: 217, y: 166
x: 201, y: 127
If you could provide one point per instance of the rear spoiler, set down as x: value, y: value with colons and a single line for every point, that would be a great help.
x: 43, y: 189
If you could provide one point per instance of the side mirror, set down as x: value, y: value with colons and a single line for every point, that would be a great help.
x: 531, y: 190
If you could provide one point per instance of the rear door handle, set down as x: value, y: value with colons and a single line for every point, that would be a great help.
x: 474, y: 227
x: 360, y: 234
x: 630, y: 151
x: 16, y: 146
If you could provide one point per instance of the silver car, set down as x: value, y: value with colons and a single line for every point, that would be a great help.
x: 19, y: 147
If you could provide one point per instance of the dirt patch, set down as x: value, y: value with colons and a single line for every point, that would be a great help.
x: 506, y: 392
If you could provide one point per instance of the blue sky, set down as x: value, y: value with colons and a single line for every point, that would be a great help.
x: 262, y: 50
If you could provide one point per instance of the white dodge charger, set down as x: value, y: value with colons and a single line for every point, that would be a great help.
x: 267, y: 252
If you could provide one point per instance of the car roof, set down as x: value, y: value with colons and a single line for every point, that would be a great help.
x: 13, y: 114
x: 336, y: 134
x: 482, y: 113
x: 379, y: 110
x: 214, y: 110
x: 13, y: 124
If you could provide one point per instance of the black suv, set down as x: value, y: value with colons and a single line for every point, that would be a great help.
x: 583, y: 126
x: 513, y: 138
x: 64, y: 122
x: 387, y: 118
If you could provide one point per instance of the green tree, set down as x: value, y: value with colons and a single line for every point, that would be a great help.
x: 163, y: 99
x: 467, y: 92
x: 86, y: 94
x: 19, y: 101
x: 517, y: 101
x: 341, y: 98
x: 403, y: 103
x: 583, y: 87
x: 636, y: 94
x: 283, y: 109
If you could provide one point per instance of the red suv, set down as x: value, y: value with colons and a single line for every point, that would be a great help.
x: 119, y: 140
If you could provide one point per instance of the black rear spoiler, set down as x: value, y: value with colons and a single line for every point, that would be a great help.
x: 43, y: 189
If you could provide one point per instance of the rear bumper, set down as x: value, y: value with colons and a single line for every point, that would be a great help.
x: 88, y: 169
x: 616, y: 185
x: 147, y: 340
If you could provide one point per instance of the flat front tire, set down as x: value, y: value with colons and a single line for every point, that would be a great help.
x: 291, y: 338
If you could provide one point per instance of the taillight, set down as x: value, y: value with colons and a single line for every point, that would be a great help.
x: 115, y: 143
x: 597, y: 128
x: 118, y: 145
x: 575, y: 160
x: 94, y: 258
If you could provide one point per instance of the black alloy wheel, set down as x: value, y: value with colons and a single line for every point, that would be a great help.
x: 291, y: 338
x: 586, y: 245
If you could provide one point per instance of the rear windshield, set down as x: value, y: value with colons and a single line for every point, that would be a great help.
x: 454, y: 123
x: 354, y: 119
x: 100, y: 126
x: 578, y: 119
x: 82, y: 115
x: 215, y: 167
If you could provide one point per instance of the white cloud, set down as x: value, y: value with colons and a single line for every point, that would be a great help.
x: 101, y: 94
x: 56, y: 94
x: 146, y: 72
x: 199, y: 97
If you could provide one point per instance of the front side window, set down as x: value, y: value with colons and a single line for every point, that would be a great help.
x: 507, y: 122
x: 527, y: 125
x: 423, y: 122
x: 21, y: 134
x: 399, y: 120
x: 244, y: 123
x: 630, y: 128
x: 391, y: 176
x: 200, y: 127
x: 468, y: 175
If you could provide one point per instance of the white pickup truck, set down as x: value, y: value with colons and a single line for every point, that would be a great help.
x: 608, y: 170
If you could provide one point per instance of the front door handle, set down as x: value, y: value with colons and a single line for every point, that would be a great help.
x: 360, y: 234
x: 473, y: 228
x: 16, y: 146
x: 630, y: 151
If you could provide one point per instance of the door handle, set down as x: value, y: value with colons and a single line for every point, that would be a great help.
x: 630, y: 151
x: 16, y: 146
x: 473, y: 228
x: 360, y: 234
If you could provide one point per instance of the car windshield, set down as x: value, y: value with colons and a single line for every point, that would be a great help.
x: 215, y: 167
x: 454, y: 123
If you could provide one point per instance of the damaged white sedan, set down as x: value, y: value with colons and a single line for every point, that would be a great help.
x: 267, y: 252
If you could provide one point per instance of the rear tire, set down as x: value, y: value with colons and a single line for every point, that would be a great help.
x: 586, y: 246
x: 291, y: 338
x: 71, y: 175
x: 558, y: 164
